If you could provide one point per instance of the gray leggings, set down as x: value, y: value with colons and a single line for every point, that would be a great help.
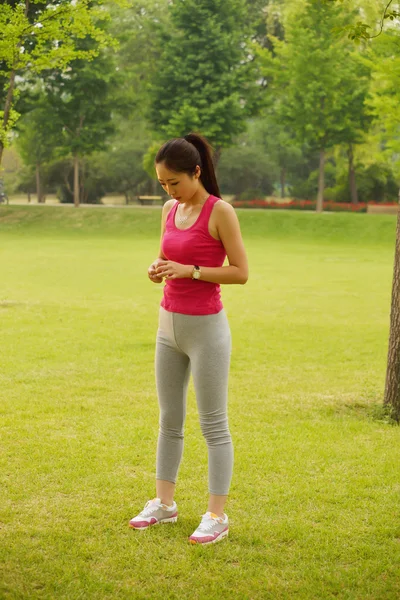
x: 201, y: 344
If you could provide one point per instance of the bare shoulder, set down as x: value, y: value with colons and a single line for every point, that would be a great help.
x: 166, y: 210
x: 168, y: 205
x: 224, y: 207
x: 224, y: 211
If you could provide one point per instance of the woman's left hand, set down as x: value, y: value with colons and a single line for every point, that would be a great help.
x: 173, y: 270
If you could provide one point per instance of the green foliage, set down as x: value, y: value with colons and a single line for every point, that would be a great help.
x: 149, y: 158
x: 319, y: 86
x: 6, y: 128
x: 375, y: 183
x: 361, y: 30
x: 245, y: 170
x: 39, y: 36
x: 80, y: 101
x: 27, y: 39
x: 306, y: 187
x: 209, y: 65
x: 204, y: 77
x: 60, y: 180
x: 385, y: 94
x: 38, y: 136
x: 122, y: 164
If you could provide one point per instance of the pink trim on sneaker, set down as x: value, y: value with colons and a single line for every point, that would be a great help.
x: 152, y: 521
x: 141, y: 524
x: 207, y: 539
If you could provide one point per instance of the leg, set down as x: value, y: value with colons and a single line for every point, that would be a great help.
x: 172, y: 378
x: 210, y: 361
x: 216, y: 504
x: 165, y: 491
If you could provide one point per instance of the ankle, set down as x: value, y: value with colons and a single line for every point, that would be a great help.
x: 167, y: 501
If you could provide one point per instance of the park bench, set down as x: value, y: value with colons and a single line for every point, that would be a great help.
x: 383, y: 209
x: 147, y: 200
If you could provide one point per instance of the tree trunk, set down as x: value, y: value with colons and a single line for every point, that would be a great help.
x: 283, y: 181
x: 352, y: 176
x: 321, y: 181
x: 217, y: 156
x: 76, y: 181
x: 392, y: 386
x: 29, y: 197
x: 7, y: 108
x: 39, y: 191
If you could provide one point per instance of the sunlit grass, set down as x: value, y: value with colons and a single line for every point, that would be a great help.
x: 314, y: 503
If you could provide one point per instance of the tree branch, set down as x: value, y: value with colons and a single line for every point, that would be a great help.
x: 371, y: 37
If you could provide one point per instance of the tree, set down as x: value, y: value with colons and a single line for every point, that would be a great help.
x: 37, y: 35
x: 81, y: 102
x: 205, y: 76
x: 278, y: 143
x: 122, y: 164
x: 360, y: 30
x: 318, y: 86
x: 385, y: 102
x: 245, y: 171
x: 138, y: 52
x: 37, y: 141
x: 392, y: 383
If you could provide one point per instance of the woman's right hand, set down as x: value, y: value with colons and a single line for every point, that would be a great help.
x: 151, y: 271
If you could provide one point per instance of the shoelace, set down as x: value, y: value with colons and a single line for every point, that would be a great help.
x: 208, y: 522
x: 149, y: 508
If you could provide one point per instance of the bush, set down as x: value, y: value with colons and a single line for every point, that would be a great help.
x: 308, y: 188
x: 375, y: 183
x: 250, y: 194
x: 245, y: 170
x: 301, y: 205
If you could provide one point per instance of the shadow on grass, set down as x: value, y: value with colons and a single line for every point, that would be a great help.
x: 367, y: 410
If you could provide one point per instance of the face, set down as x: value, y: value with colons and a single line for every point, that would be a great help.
x: 180, y: 186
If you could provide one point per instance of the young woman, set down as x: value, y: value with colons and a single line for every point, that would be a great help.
x: 198, y: 231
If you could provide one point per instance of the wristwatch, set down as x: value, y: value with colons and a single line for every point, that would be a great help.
x: 196, y: 272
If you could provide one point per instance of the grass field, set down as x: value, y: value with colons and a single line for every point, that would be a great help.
x: 314, y: 503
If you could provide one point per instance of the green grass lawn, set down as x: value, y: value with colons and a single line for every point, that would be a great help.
x: 314, y: 503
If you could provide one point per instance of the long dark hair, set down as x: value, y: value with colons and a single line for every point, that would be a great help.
x: 183, y: 154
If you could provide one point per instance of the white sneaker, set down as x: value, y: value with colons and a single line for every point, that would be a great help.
x: 211, y: 529
x: 155, y: 513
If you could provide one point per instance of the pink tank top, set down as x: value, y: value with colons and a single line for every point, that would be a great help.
x: 192, y: 246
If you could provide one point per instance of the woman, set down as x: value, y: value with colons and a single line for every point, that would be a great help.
x: 199, y: 230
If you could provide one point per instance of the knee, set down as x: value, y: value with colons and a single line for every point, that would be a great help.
x: 216, y: 431
x: 171, y: 428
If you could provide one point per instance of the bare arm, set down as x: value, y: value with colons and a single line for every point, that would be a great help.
x: 152, y: 273
x: 165, y: 211
x: 229, y: 232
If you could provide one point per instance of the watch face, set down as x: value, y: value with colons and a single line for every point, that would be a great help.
x: 196, y: 274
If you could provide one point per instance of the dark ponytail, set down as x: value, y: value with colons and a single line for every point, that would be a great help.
x: 183, y: 154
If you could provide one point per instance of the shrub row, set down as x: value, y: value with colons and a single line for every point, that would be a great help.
x: 361, y: 207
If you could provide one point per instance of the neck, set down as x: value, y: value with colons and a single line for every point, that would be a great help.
x: 198, y: 199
